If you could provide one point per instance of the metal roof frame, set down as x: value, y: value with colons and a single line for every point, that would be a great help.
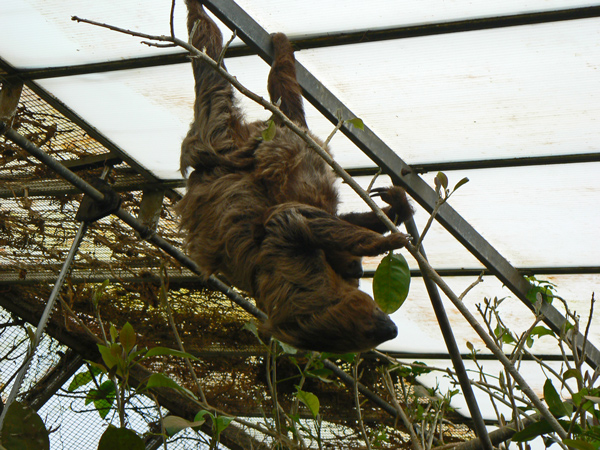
x: 327, y: 104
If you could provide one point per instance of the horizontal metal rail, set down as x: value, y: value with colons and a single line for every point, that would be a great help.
x: 322, y: 41
x: 178, y: 279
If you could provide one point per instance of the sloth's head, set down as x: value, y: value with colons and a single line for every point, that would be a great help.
x: 353, y: 324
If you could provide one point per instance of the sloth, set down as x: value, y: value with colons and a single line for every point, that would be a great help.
x: 263, y: 213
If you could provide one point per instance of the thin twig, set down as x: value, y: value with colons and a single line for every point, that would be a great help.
x: 379, y: 172
x: 414, y: 439
x: 163, y: 432
x: 524, y: 337
x: 361, y: 423
x: 165, y: 302
x: 225, y: 48
x: 471, y: 286
x: 587, y: 328
x: 438, y: 204
x: 335, y: 130
x: 172, y: 19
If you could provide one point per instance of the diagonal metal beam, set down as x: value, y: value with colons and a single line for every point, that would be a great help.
x: 54, y: 380
x: 401, y: 173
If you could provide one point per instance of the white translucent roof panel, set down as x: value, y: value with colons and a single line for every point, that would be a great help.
x: 38, y: 33
x: 147, y: 112
x: 520, y: 91
x: 39, y: 25
x: 418, y: 330
x: 315, y: 17
x: 534, y: 216
x: 510, y: 92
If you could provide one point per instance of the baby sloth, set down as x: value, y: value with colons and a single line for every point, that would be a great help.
x: 264, y: 213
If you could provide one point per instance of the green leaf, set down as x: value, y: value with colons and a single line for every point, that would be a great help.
x: 200, y: 415
x: 529, y: 341
x: 159, y: 351
x: 356, y: 123
x: 391, y: 283
x: 113, y: 333
x: 83, y: 378
x: 567, y: 326
x: 579, y: 444
x: 572, y: 373
x: 462, y: 182
x: 440, y: 181
x: 107, y: 357
x: 553, y: 400
x: 532, y: 294
x: 532, y: 431
x: 578, y: 396
x: 541, y: 331
x: 99, y: 292
x: 79, y: 380
x: 120, y: 439
x: 98, y: 367
x: 505, y: 334
x: 127, y: 337
x: 251, y: 327
x: 24, y: 429
x: 419, y: 368
x: 174, y: 424
x: 134, y: 355
x: 158, y: 380
x: 268, y: 134
x: 287, y: 348
x: 310, y: 400
x: 221, y: 423
x: 102, y: 398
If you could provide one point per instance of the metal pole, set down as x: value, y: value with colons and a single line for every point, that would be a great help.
x: 44, y: 320
x: 83, y: 227
x: 457, y: 362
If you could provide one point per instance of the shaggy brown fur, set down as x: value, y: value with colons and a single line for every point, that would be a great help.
x: 264, y: 213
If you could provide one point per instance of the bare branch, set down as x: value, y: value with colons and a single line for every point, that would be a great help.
x: 225, y: 47
x: 172, y: 19
x: 471, y: 286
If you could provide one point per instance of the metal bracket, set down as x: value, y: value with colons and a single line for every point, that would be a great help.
x: 91, y: 210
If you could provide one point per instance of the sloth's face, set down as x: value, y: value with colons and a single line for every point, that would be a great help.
x: 353, y: 324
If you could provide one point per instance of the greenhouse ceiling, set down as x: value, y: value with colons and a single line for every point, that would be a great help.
x: 504, y: 93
